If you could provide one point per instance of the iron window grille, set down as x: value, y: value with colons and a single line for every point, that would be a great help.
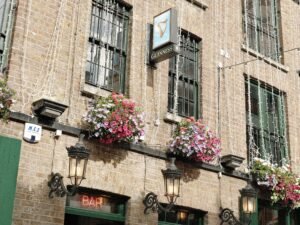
x: 261, y: 25
x: 266, y: 135
x: 106, y: 58
x: 187, y: 83
x: 7, y: 10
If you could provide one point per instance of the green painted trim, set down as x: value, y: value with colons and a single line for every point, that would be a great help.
x: 9, y: 162
x: 94, y: 214
x: 166, y: 223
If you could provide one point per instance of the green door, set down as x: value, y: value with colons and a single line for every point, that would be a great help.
x: 9, y: 162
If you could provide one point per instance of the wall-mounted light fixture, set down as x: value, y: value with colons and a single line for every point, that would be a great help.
x: 248, y: 197
x: 78, y: 158
x: 172, y: 176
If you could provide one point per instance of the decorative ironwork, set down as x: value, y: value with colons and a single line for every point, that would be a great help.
x: 58, y: 188
x: 151, y: 204
x: 227, y: 216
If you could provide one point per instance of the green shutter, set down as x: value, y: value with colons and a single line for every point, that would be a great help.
x: 9, y: 161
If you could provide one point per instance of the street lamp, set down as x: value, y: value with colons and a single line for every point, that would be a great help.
x: 78, y: 158
x: 248, y: 197
x: 172, y: 176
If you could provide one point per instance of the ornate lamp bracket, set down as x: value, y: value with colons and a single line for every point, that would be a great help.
x: 58, y: 188
x: 151, y: 204
x: 227, y: 217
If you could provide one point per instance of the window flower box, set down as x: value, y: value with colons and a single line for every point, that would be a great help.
x: 194, y: 140
x: 6, y: 100
x: 115, y: 119
x: 283, y: 184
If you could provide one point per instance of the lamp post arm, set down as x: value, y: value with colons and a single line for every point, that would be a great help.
x: 151, y: 203
x: 58, y: 188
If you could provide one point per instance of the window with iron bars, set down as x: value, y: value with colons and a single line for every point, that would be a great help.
x: 7, y: 9
x: 267, y: 131
x: 261, y: 25
x: 106, y: 58
x: 188, y: 76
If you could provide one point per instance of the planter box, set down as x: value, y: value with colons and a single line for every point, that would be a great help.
x: 231, y: 161
x: 48, y: 108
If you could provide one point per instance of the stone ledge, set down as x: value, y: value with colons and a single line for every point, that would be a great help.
x: 137, y: 148
x: 93, y: 90
x: 265, y: 59
x: 199, y: 3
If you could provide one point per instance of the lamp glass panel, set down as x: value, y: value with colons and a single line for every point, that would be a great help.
x: 248, y: 204
x: 176, y: 186
x: 170, y: 186
x: 72, y: 167
x: 80, y: 168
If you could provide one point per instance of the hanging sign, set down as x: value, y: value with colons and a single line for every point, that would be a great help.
x: 164, y: 38
x: 32, y: 133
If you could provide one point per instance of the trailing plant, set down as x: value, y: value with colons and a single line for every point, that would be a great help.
x: 281, y: 181
x: 6, y: 100
x: 194, y: 140
x: 115, y: 118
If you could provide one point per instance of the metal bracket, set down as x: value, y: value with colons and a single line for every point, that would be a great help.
x: 151, y: 203
x: 227, y: 216
x: 58, y: 188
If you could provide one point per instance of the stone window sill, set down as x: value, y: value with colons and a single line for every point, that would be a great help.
x: 265, y: 59
x: 200, y: 3
x: 172, y: 118
x: 92, y: 90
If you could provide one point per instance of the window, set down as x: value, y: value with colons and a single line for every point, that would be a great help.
x: 7, y: 10
x: 266, y: 124
x: 272, y: 215
x: 181, y: 216
x: 106, y: 58
x: 187, y: 83
x: 261, y: 25
x: 94, y: 207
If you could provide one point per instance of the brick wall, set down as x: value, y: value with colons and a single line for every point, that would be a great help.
x: 48, y: 58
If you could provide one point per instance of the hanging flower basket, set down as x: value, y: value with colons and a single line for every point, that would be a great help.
x: 193, y: 140
x: 283, y: 184
x: 115, y: 119
x: 6, y: 100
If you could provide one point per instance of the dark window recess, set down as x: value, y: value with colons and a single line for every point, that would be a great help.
x: 84, y: 220
x: 182, y: 216
x: 266, y: 124
x: 272, y: 215
x: 297, y: 1
x: 106, y: 58
x: 187, y: 84
x: 261, y: 25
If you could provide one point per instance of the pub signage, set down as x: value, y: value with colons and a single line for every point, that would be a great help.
x: 164, y: 36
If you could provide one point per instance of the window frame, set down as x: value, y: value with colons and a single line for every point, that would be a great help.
x: 120, y: 216
x: 199, y: 213
x: 111, y: 47
x: 271, y: 30
x: 192, y: 55
x: 260, y: 134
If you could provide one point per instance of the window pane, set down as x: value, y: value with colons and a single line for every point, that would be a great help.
x: 262, y: 27
x: 267, y: 128
x: 106, y: 56
x: 188, y: 77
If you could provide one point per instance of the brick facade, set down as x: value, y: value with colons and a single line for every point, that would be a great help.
x: 48, y: 57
